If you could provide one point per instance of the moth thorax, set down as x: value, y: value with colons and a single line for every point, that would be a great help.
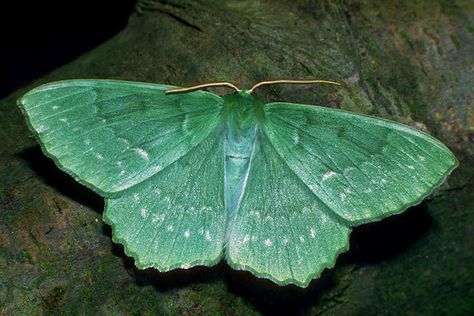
x: 243, y: 110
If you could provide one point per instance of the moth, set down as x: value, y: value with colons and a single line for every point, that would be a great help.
x: 190, y: 178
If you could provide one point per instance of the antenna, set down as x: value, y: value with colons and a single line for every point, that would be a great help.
x: 263, y: 83
x: 205, y: 85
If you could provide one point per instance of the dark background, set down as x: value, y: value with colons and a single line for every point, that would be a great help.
x: 39, y: 36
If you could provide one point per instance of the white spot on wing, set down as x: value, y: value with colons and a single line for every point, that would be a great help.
x: 342, y: 196
x: 268, y: 242
x: 55, y: 107
x: 187, y: 234
x: 422, y: 158
x: 87, y: 141
x: 207, y: 235
x: 284, y: 241
x: 410, y: 167
x: 328, y: 175
x: 143, y: 212
x: 99, y: 156
x: 158, y: 218
x: 170, y: 228
x: 302, y: 239
x: 246, y: 239
x: 312, y: 232
x: 306, y: 209
x: 40, y: 129
x: 136, y: 197
x: 142, y: 153
x: 296, y: 138
x: 185, y: 122
x: 64, y: 120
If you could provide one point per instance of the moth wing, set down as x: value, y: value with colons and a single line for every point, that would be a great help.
x: 281, y: 230
x: 111, y: 135
x: 176, y: 218
x: 363, y: 168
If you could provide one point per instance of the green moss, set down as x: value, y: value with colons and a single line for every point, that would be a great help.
x: 53, y: 300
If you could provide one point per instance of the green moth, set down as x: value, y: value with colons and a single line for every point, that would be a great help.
x: 190, y: 177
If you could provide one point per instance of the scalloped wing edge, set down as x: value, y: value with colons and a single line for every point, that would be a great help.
x: 403, y: 127
x: 292, y: 281
x: 142, y: 266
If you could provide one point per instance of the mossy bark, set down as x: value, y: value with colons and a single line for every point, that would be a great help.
x: 411, y: 62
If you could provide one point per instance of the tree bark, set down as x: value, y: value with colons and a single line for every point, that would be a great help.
x: 411, y: 62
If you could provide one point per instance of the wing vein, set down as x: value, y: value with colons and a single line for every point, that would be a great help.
x: 58, y: 98
x: 333, y: 213
x: 184, y: 213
